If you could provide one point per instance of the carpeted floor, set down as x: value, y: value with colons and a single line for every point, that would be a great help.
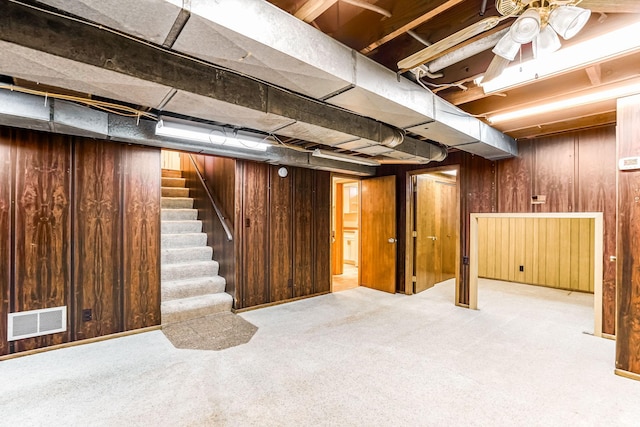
x: 353, y: 358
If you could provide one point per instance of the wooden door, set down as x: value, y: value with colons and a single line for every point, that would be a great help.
x: 435, y: 226
x: 426, y: 239
x: 378, y: 233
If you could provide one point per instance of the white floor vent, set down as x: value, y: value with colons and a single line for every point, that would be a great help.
x: 33, y: 323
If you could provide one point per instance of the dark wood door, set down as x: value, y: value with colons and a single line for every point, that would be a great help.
x: 378, y: 233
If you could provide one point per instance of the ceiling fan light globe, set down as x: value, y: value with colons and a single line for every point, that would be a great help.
x: 568, y: 20
x: 526, y: 27
x: 546, y: 42
x: 506, y: 47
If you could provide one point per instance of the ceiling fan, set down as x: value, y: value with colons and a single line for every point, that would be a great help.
x: 539, y: 22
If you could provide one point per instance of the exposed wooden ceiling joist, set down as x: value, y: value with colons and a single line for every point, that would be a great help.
x: 407, y: 16
x: 309, y: 11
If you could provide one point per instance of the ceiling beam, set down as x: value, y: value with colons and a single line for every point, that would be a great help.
x: 608, y: 6
x: 595, y: 74
x: 309, y: 11
x: 407, y: 16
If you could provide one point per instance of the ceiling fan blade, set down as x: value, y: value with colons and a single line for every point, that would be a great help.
x: 496, y: 67
x: 436, y: 49
x: 617, y: 6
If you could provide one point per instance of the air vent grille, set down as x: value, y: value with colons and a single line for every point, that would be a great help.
x: 33, y: 323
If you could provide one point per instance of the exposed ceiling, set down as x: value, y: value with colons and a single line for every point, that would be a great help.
x: 389, y: 39
x: 250, y: 65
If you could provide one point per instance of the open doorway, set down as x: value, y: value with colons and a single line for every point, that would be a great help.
x: 345, y: 233
x: 433, y: 223
x: 548, y: 250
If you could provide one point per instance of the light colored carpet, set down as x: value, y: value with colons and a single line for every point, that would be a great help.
x: 354, y: 358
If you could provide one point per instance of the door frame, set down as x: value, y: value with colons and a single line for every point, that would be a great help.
x: 345, y: 177
x: 598, y: 243
x: 410, y: 208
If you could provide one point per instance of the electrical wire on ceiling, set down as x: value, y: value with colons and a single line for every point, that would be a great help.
x: 109, y: 107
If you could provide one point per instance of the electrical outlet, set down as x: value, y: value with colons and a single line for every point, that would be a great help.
x: 87, y: 316
x: 522, y: 268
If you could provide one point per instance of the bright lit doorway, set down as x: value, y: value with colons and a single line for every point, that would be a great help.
x: 345, y: 233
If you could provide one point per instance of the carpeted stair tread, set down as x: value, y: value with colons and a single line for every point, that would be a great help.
x: 188, y: 270
x: 172, y: 182
x: 183, y: 240
x: 171, y: 173
x: 187, y: 288
x: 176, y: 202
x: 174, y: 192
x: 176, y: 227
x: 178, y: 214
x: 186, y: 254
x: 190, y: 308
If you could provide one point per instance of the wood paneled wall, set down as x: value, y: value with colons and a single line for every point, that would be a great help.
x: 141, y: 237
x: 628, y: 327
x: 576, y: 171
x: 553, y: 252
x: 81, y: 230
x: 6, y: 173
x: 284, y: 227
x: 97, y: 243
x: 42, y: 229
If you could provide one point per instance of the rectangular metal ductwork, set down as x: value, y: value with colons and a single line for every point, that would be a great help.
x: 34, y: 323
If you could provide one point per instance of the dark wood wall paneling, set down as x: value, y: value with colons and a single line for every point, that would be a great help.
x: 219, y: 176
x: 254, y: 237
x: 322, y: 223
x: 576, y: 172
x: 100, y: 223
x: 6, y: 175
x: 141, y: 242
x: 628, y: 273
x: 285, y: 225
x: 281, y: 242
x: 97, y: 240
x: 42, y: 229
x: 595, y: 192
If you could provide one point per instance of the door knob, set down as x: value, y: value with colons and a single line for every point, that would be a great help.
x: 391, y: 240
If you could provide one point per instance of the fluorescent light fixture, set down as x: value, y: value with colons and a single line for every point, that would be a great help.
x: 618, y: 91
x: 344, y: 158
x: 606, y: 46
x: 217, y: 135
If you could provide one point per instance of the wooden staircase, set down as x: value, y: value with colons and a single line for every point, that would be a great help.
x: 190, y: 284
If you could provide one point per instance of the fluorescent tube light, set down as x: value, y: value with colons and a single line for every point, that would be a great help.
x: 618, y: 91
x: 217, y: 135
x: 597, y: 49
x: 344, y: 158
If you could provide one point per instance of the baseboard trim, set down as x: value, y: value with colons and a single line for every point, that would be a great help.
x: 627, y: 374
x: 271, y: 304
x: 79, y: 342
